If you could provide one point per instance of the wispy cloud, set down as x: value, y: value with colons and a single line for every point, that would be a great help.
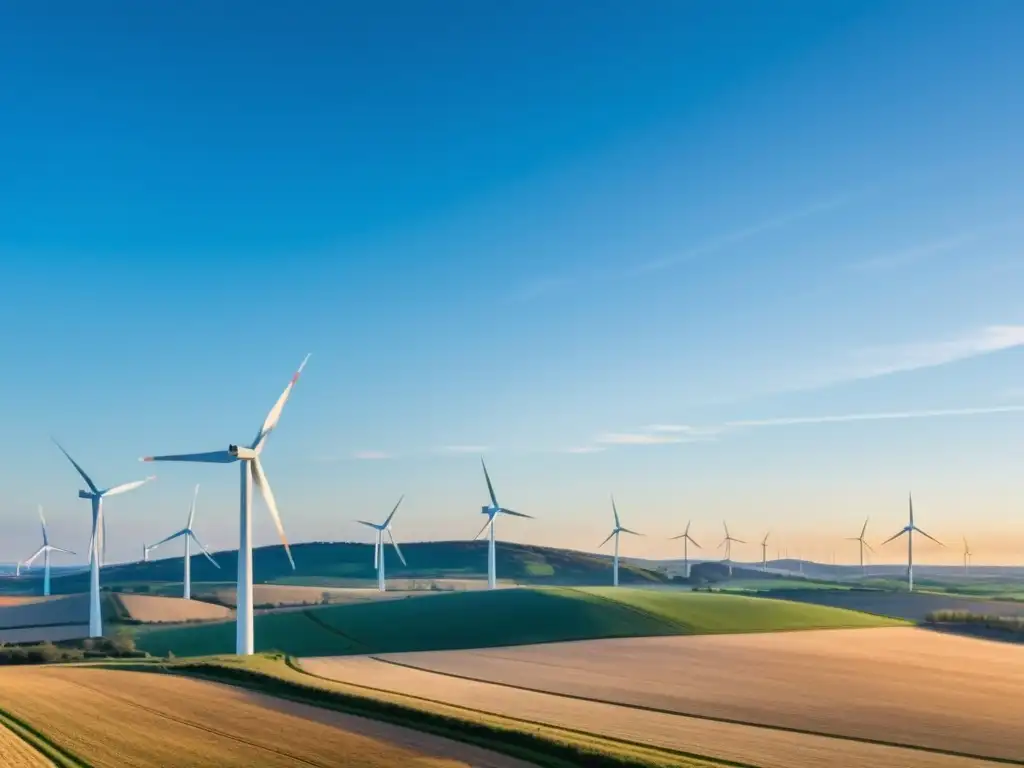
x: 914, y: 254
x: 585, y: 449
x: 882, y: 416
x: 464, y: 449
x: 371, y: 455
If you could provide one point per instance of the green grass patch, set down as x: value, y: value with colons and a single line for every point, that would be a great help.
x: 481, y: 619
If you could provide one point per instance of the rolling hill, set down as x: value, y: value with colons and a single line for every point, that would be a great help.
x: 460, y: 620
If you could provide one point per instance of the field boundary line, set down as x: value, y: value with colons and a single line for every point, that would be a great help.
x: 40, y: 742
x: 710, y: 718
x: 669, y: 623
x: 309, y: 614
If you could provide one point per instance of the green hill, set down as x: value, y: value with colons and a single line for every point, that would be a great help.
x: 503, y: 617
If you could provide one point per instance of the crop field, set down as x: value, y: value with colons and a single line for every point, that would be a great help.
x: 284, y: 594
x: 110, y: 718
x: 912, y: 606
x: 904, y: 685
x: 503, y: 617
x: 739, y: 743
x: 17, y: 753
x: 152, y: 608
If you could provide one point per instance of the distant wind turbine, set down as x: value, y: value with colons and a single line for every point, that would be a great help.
x: 190, y: 536
x: 764, y: 551
x: 251, y: 470
x: 492, y: 512
x: 863, y: 544
x: 145, y: 553
x: 909, y: 530
x: 45, y: 551
x: 96, y: 496
x: 727, y: 543
x: 378, y: 546
x: 687, y: 540
x: 967, y: 557
x: 615, y: 532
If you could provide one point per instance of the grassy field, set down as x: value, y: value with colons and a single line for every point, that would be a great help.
x: 502, y: 617
x: 951, y: 697
x: 108, y: 719
x: 911, y: 606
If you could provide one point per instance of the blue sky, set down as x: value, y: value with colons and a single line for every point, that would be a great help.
x: 616, y: 248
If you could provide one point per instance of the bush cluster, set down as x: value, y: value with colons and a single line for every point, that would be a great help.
x: 1003, y: 623
x: 119, y: 647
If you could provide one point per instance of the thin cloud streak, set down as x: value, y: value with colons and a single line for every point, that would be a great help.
x: 915, y: 254
x: 850, y: 417
x: 464, y: 449
x: 371, y: 455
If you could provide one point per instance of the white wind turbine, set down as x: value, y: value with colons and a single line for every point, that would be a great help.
x: 190, y: 536
x: 615, y: 532
x: 764, y: 552
x: 145, y: 553
x: 687, y: 540
x: 967, y: 557
x: 492, y: 512
x: 378, y: 545
x: 45, y: 551
x: 909, y: 530
x: 863, y: 544
x: 96, y: 542
x: 251, y: 472
x: 727, y: 543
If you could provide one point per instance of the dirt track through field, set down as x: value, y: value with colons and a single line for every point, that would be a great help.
x: 16, y: 753
x: 835, y: 681
x: 113, y: 719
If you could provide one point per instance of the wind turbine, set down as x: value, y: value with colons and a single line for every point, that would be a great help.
x: 251, y: 472
x: 764, y: 552
x: 145, y: 553
x: 687, y: 539
x: 378, y: 545
x: 492, y: 512
x: 45, y: 551
x: 967, y: 557
x: 863, y: 544
x: 615, y: 532
x: 909, y: 530
x: 727, y: 543
x: 96, y: 542
x: 190, y: 536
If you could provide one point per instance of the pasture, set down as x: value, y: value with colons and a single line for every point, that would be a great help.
x: 503, y: 617
x: 902, y: 685
x: 175, y: 721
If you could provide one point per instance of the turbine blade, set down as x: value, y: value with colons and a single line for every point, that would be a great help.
x: 38, y: 552
x: 43, y: 521
x: 395, y: 545
x: 489, y: 519
x: 929, y: 537
x: 88, y: 480
x: 172, y: 537
x: 893, y: 537
x: 764, y: 541
x: 615, y: 512
x: 626, y: 530
x: 738, y: 541
x: 870, y: 548
x: 65, y: 551
x: 376, y: 551
x: 515, y: 514
x: 865, y: 528
x: 371, y: 525
x: 204, y: 549
x: 388, y: 521
x: 608, y: 539
x: 698, y: 546
x: 490, y: 488
x: 125, y: 487
x: 192, y: 508
x: 726, y: 526
x: 260, y: 477
x: 680, y: 536
x: 910, y: 498
x: 687, y: 531
x: 275, y: 413
x: 212, y: 457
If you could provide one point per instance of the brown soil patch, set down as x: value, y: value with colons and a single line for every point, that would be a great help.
x: 153, y: 608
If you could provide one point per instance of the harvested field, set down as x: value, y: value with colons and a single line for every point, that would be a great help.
x: 41, y: 634
x: 902, y: 685
x: 912, y: 606
x: 66, y: 609
x: 176, y: 721
x: 281, y: 594
x: 9, y: 600
x: 16, y: 753
x: 151, y: 608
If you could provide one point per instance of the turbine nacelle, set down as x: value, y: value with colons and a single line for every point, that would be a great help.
x: 242, y: 453
x: 87, y: 495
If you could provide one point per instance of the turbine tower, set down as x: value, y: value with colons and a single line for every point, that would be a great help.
x: 96, y: 496
x: 190, y: 536
x: 45, y: 551
x: 909, y: 530
x: 615, y: 532
x: 145, y: 553
x: 727, y: 543
x: 863, y: 544
x: 378, y: 545
x: 492, y: 512
x: 764, y: 552
x: 251, y: 471
x: 967, y: 557
x: 687, y: 540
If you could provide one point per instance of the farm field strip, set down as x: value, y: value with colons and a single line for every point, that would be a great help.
x: 176, y: 721
x: 18, y: 753
x: 749, y: 745
x: 901, y: 685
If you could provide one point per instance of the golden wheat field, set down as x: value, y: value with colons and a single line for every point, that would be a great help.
x: 904, y: 685
x: 112, y: 719
x: 153, y: 608
x: 15, y: 753
x: 771, y: 748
